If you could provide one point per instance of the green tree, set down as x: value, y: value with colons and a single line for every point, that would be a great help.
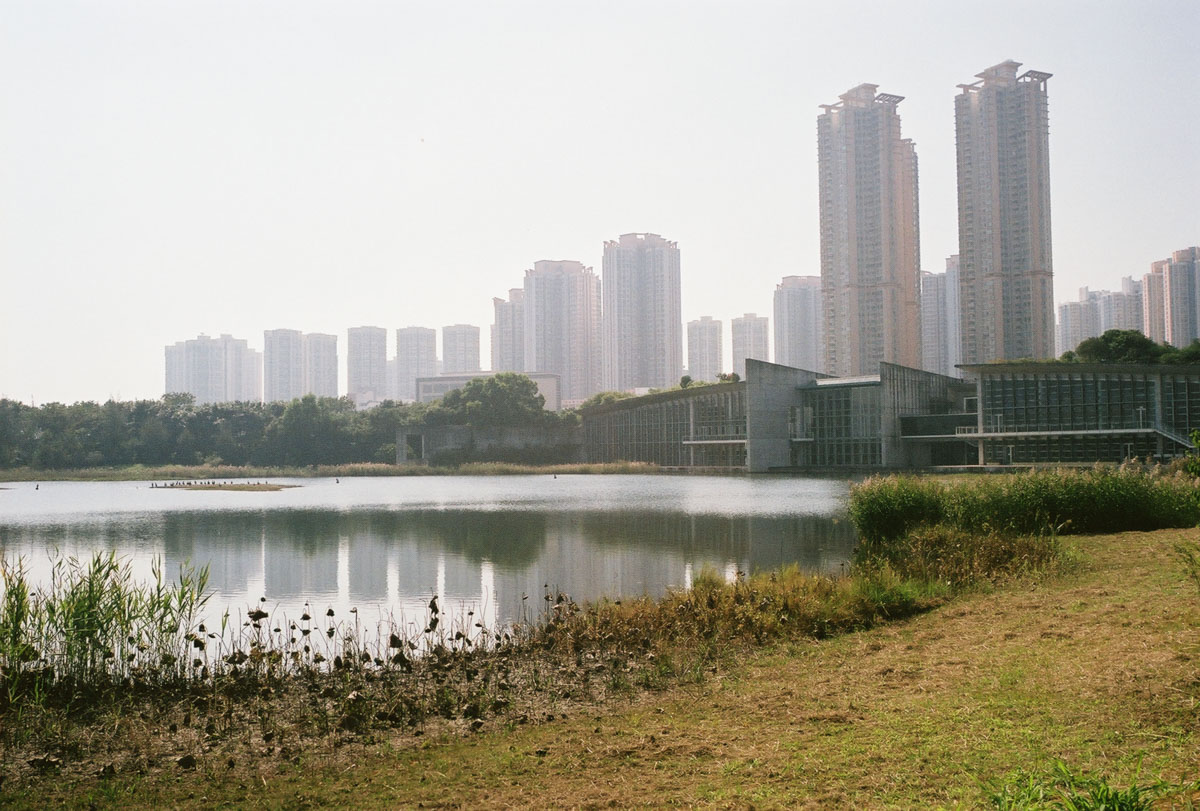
x: 1120, y: 346
x: 506, y: 398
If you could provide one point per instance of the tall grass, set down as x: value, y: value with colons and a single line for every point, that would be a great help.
x: 1101, y: 499
x: 93, y: 626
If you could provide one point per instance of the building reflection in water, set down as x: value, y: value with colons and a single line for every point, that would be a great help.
x: 486, y: 562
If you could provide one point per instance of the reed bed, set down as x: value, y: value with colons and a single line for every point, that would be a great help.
x: 1049, y: 502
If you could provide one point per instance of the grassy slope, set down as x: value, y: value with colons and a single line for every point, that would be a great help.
x: 1099, y: 667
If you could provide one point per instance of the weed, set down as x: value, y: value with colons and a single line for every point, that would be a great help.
x: 1064, y: 789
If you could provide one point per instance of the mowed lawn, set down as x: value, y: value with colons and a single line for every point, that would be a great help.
x: 1098, y: 665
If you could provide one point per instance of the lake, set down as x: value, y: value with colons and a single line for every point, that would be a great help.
x: 492, y: 545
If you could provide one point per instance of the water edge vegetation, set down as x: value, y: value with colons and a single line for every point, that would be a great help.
x: 79, y: 666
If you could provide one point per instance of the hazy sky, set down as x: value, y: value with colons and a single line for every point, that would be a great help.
x: 171, y: 168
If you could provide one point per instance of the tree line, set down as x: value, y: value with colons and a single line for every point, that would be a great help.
x: 306, y: 431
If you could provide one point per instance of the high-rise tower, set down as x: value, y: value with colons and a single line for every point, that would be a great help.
x: 508, y: 332
x: 751, y: 339
x: 416, y: 356
x: 283, y: 364
x: 366, y: 365
x: 215, y: 370
x: 562, y: 325
x: 320, y: 364
x: 643, y: 325
x: 1006, y: 290
x: 704, y: 348
x: 460, y: 348
x: 870, y: 250
x: 799, y: 341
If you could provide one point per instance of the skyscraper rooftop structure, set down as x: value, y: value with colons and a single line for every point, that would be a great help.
x: 799, y: 333
x: 642, y: 321
x: 704, y: 339
x: 1006, y: 269
x: 870, y: 249
x: 561, y: 305
x: 366, y: 365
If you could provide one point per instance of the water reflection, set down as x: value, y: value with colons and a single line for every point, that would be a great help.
x: 484, y: 561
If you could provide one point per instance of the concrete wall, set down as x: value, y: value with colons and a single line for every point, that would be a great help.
x: 906, y: 391
x: 518, y: 444
x: 770, y: 395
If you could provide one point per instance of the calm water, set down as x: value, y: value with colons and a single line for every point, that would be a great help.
x: 485, y: 544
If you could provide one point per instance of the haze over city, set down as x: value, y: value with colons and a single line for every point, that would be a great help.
x: 232, y: 168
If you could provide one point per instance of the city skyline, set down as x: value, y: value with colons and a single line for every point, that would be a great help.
x: 324, y: 157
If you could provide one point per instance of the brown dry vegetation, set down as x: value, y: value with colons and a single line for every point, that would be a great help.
x: 1098, y: 666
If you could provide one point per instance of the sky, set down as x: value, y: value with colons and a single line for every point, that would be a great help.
x: 173, y: 168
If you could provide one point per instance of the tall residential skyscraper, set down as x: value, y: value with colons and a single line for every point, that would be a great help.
x: 366, y: 365
x: 798, y: 323
x: 1181, y: 299
x: 562, y: 326
x: 751, y: 339
x: 283, y: 364
x: 1006, y: 276
x: 939, y: 320
x: 460, y: 349
x: 1153, y: 311
x: 416, y: 356
x: 320, y: 364
x: 643, y: 325
x: 705, y: 360
x: 870, y: 250
x: 214, y: 370
x: 508, y: 332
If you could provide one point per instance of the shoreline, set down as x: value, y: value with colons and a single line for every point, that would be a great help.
x: 893, y: 715
x: 356, y: 470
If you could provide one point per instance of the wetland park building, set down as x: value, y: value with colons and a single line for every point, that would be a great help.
x: 786, y: 419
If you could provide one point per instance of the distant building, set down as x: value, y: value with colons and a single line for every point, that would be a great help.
x: 1153, y: 303
x: 751, y: 339
x: 642, y: 321
x: 416, y: 356
x: 799, y: 334
x: 320, y: 364
x: 870, y: 248
x: 940, y: 343
x: 704, y: 339
x: 460, y: 349
x: 1098, y: 311
x: 214, y: 370
x: 562, y: 325
x: 508, y: 332
x: 1123, y: 310
x: 366, y: 365
x: 1181, y: 299
x: 1006, y: 272
x: 283, y: 365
